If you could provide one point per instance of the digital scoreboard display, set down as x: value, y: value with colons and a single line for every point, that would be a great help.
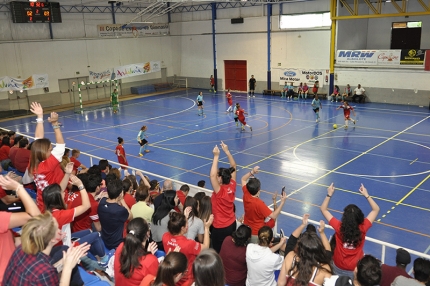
x: 35, y: 12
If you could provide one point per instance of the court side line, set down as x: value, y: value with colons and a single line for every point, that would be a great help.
x: 353, y: 159
x: 404, y: 198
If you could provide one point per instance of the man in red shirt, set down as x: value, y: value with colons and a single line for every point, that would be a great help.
x: 256, y: 211
x: 14, y: 149
x: 182, y: 194
x: 389, y: 273
x: 76, y: 163
x: 22, y: 158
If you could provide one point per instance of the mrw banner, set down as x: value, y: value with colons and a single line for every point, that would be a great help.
x: 308, y: 76
x: 380, y: 57
x: 136, y: 69
x: 34, y: 81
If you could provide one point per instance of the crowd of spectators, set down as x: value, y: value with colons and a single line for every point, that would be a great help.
x: 142, y: 234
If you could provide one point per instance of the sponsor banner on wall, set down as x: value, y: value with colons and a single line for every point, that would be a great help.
x: 308, y: 76
x: 388, y: 57
x: 357, y: 57
x: 119, y: 30
x: 101, y: 76
x: 34, y: 81
x: 136, y: 69
x: 412, y: 57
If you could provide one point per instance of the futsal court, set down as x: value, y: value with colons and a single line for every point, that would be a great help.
x: 388, y: 151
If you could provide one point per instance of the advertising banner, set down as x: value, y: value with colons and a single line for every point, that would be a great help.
x: 412, y: 57
x: 34, y: 81
x: 136, y: 69
x: 389, y: 57
x: 357, y: 57
x: 380, y: 57
x: 101, y: 76
x: 308, y: 76
x: 119, y: 30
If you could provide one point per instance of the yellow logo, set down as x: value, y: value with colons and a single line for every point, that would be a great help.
x: 412, y: 53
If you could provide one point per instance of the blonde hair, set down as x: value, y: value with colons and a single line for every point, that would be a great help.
x: 37, y: 233
x: 64, y: 161
x: 116, y: 172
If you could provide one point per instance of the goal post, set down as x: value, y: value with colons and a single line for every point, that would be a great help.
x: 82, y: 83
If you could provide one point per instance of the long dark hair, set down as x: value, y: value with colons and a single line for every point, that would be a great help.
x: 225, y: 174
x: 52, y: 198
x: 133, y: 250
x: 205, y: 208
x: 208, y: 269
x: 167, y: 204
x: 173, y: 264
x: 312, y: 254
x: 191, y: 202
x: 352, y: 218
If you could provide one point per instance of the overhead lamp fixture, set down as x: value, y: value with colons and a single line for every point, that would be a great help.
x: 21, y: 91
x: 32, y: 0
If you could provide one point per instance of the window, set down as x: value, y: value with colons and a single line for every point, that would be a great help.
x: 406, y: 35
x: 304, y: 21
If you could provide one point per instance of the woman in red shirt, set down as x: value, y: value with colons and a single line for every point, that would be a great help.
x: 223, y: 182
x: 132, y: 261
x: 120, y: 152
x: 45, y: 160
x: 350, y: 232
x: 170, y: 271
x: 178, y: 227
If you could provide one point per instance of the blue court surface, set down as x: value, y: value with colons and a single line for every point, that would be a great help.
x: 388, y: 151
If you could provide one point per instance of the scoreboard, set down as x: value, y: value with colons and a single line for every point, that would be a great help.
x: 35, y: 12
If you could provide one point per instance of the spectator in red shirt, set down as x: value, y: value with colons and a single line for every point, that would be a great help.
x: 132, y: 260
x: 76, y: 163
x: 30, y: 263
x: 177, y: 227
x: 389, y: 273
x: 256, y: 211
x: 14, y: 149
x: 22, y: 158
x: 182, y: 194
x: 11, y: 135
x: 223, y: 182
x: 11, y: 220
x: 45, y: 161
x: 233, y: 255
x: 4, y: 153
x: 350, y: 233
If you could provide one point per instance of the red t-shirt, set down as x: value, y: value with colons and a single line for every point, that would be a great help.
x: 49, y: 172
x: 345, y: 255
x: 212, y: 80
x: 7, y: 245
x: 229, y: 98
x: 256, y: 211
x: 76, y: 164
x: 347, y: 110
x: 12, y: 154
x: 64, y: 219
x: 84, y: 221
x: 119, y: 150
x: 189, y: 247
x: 149, y: 266
x: 2, y: 193
x: 21, y: 159
x: 4, y: 152
x: 129, y: 200
x: 234, y: 261
x: 222, y: 205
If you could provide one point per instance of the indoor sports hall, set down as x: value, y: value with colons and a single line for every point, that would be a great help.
x: 158, y: 55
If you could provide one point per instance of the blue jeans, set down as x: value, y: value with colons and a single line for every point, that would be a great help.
x: 339, y: 271
x: 92, y: 238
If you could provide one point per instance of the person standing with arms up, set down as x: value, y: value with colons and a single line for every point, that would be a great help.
x: 200, y: 102
x: 212, y: 83
x: 114, y: 100
x: 252, y: 85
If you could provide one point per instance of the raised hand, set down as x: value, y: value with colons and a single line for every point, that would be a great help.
x: 321, y: 227
x: 330, y: 189
x: 215, y: 151
x: 8, y: 183
x: 152, y: 247
x: 74, y: 255
x: 36, y: 108
x: 363, y: 191
x: 224, y: 147
x: 305, y: 219
x: 53, y: 118
x: 69, y: 168
x: 255, y: 170
x: 75, y: 181
x: 209, y: 221
x: 187, y: 212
